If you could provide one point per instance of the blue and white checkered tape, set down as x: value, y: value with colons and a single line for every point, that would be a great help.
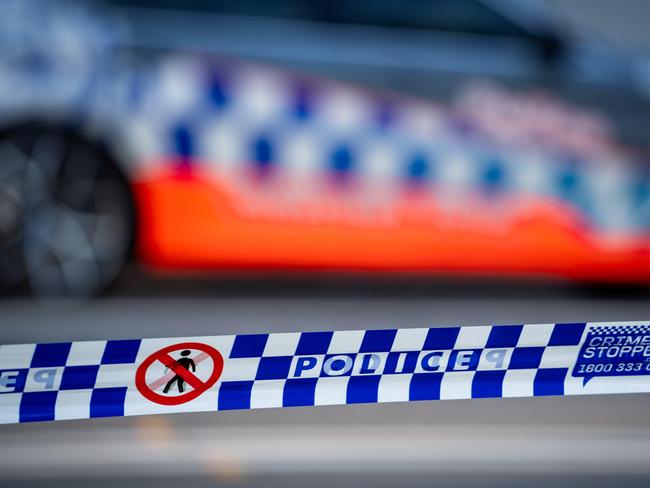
x: 74, y: 380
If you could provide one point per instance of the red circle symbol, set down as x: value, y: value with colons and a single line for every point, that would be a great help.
x: 198, y: 385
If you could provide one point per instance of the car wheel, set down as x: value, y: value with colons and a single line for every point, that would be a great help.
x: 67, y: 227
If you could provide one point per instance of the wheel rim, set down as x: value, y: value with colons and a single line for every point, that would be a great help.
x: 76, y: 217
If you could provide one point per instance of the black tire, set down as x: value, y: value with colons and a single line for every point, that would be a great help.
x: 71, y: 220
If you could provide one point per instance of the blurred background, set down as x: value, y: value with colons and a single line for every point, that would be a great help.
x: 204, y: 167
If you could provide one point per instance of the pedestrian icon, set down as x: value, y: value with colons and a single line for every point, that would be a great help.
x: 180, y: 362
x: 187, y: 363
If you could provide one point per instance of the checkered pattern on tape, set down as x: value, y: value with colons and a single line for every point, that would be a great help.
x: 68, y: 380
x: 632, y: 329
x: 92, y: 378
x: 232, y: 117
x: 538, y: 365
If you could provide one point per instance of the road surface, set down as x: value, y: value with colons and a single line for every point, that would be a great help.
x: 572, y: 441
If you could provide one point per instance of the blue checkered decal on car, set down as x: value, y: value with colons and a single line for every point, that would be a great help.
x: 237, y: 119
x: 131, y: 377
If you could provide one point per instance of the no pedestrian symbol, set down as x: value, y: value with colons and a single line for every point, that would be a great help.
x: 180, y: 371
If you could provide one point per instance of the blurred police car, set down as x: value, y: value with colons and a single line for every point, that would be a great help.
x: 207, y: 163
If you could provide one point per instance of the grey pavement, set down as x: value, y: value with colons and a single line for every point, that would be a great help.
x: 570, y: 441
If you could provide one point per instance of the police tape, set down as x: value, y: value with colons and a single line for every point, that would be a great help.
x: 74, y: 380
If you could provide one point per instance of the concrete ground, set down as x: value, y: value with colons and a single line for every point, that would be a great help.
x: 570, y: 441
